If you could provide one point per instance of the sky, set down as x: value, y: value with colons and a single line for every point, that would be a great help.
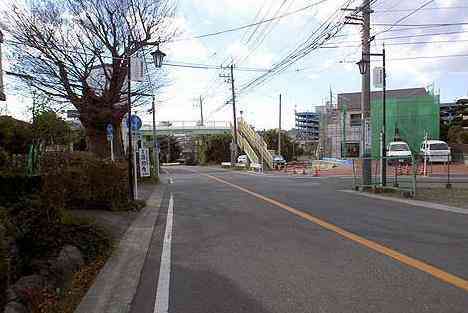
x: 307, y: 83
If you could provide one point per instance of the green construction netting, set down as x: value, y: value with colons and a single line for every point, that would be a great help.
x: 410, y: 118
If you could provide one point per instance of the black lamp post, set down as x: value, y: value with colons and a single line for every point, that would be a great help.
x: 158, y: 57
x: 363, y: 68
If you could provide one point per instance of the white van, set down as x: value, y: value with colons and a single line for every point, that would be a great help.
x: 436, y: 151
x: 398, y: 152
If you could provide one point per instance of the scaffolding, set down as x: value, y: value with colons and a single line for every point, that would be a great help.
x: 407, y: 119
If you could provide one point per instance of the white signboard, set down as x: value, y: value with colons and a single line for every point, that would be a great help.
x: 137, y: 69
x: 144, y: 163
x: 378, y: 77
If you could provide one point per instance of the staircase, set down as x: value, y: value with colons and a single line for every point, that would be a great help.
x: 253, y: 144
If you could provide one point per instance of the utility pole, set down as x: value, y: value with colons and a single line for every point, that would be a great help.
x: 365, y: 95
x: 234, y: 146
x: 201, y: 112
x: 168, y: 155
x: 2, y: 89
x: 230, y: 78
x: 279, y: 127
x: 155, y: 141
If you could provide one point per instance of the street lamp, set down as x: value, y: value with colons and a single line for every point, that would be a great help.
x: 363, y: 66
x: 158, y: 57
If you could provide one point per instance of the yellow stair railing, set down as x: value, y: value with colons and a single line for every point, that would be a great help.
x: 256, y: 142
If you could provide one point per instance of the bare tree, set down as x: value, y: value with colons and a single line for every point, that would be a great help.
x: 77, y: 51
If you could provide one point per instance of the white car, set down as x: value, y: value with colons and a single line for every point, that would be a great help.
x: 243, y: 159
x: 436, y: 151
x: 398, y: 152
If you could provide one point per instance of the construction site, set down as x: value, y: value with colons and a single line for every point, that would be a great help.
x: 411, y: 114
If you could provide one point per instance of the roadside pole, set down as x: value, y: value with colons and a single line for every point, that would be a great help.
x: 155, y: 142
x: 365, y: 96
x: 234, y: 146
x: 135, y: 173
x: 279, y: 127
x: 2, y: 89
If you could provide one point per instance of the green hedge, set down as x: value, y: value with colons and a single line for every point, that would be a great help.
x: 13, y: 188
x: 83, y: 181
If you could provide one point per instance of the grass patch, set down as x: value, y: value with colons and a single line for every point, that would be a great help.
x: 457, y: 197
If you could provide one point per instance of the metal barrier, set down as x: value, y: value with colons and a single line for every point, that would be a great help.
x: 410, y: 173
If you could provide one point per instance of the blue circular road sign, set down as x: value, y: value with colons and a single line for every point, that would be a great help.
x: 109, y: 129
x: 136, y: 122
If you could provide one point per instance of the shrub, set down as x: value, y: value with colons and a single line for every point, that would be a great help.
x: 464, y: 137
x: 83, y: 181
x: 15, y: 187
x: 36, y: 229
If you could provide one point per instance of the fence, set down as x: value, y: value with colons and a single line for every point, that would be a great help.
x: 408, y: 174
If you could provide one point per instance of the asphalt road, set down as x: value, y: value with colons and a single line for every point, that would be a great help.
x: 303, y: 247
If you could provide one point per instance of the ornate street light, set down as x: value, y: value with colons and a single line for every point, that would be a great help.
x: 158, y: 57
x: 363, y: 66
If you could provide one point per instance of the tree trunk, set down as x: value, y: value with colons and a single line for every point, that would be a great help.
x: 97, y: 143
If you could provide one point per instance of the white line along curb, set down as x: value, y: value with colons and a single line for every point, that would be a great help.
x: 430, y: 205
x: 161, y: 304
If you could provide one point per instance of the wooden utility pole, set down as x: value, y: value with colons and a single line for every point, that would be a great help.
x: 365, y: 95
x: 2, y: 89
x: 279, y: 127
x: 234, y: 147
x: 201, y: 112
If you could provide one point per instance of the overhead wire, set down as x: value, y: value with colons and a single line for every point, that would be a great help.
x: 234, y: 29
x: 425, y: 4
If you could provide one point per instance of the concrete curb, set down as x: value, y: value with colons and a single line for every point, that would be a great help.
x: 116, y: 284
x: 418, y: 203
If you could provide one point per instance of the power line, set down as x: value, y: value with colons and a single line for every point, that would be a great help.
x: 324, y: 32
x: 401, y: 43
x: 420, y: 58
x: 422, y: 25
x: 234, y: 29
x: 423, y: 9
x: 406, y: 36
x: 213, y: 67
x: 405, y: 17
x: 430, y: 57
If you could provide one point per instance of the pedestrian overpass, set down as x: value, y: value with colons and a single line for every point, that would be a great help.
x: 187, y: 128
x: 248, y: 140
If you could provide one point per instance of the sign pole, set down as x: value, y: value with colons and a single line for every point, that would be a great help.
x: 112, y: 148
x: 135, y: 173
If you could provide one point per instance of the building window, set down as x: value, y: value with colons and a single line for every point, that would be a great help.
x: 355, y: 119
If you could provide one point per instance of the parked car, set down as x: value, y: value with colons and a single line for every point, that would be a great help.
x: 278, y: 160
x: 398, y: 152
x: 436, y: 151
x: 242, y: 159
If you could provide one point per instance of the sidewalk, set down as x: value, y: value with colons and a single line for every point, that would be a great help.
x: 116, y: 284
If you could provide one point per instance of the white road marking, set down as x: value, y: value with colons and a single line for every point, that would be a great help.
x: 418, y: 203
x: 161, y: 305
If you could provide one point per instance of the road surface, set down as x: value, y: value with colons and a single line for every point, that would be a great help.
x: 237, y: 242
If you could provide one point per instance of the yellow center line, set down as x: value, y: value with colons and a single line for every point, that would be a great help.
x: 412, y: 262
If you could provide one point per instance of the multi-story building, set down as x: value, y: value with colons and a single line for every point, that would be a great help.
x: 307, y: 126
x: 448, y: 111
